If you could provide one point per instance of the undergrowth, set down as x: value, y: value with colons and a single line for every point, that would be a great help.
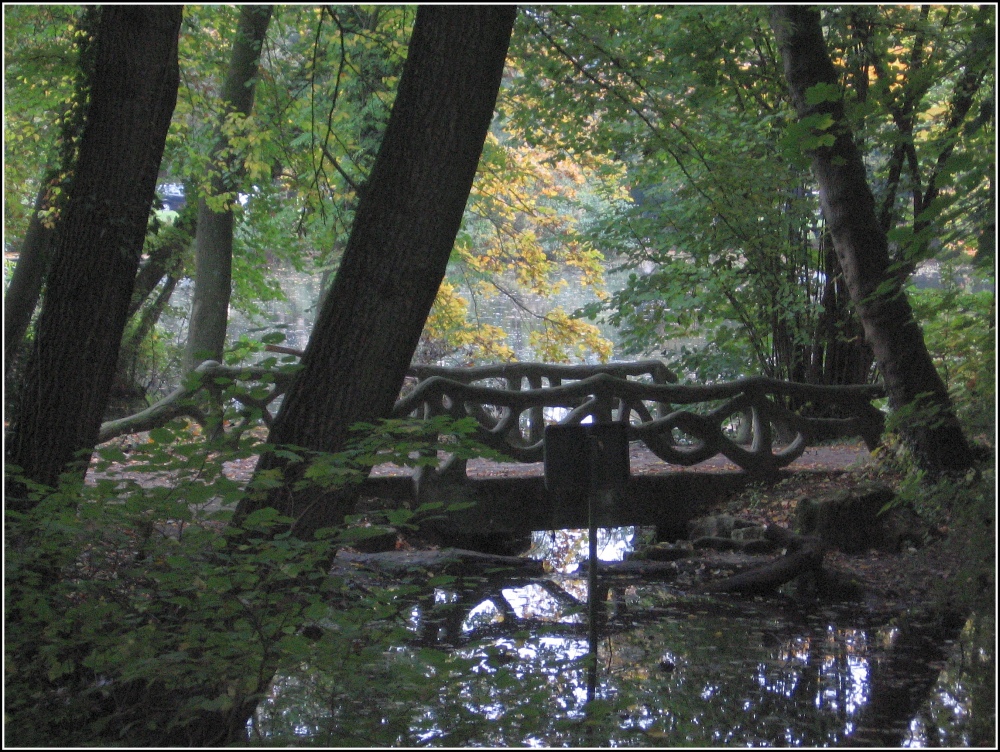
x: 133, y: 608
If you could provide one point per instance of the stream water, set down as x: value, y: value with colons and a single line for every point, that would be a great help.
x: 505, y: 663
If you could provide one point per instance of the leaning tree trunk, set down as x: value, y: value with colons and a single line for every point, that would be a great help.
x: 213, y: 245
x: 911, y: 380
x: 98, y: 241
x: 403, y: 233
x: 404, y: 230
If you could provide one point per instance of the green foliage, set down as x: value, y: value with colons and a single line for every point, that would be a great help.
x: 133, y: 590
x: 522, y: 239
x: 594, y: 101
x: 966, y: 508
x: 719, y: 251
x: 722, y: 227
x: 157, y: 363
x: 44, y: 95
x: 130, y: 591
x: 960, y: 334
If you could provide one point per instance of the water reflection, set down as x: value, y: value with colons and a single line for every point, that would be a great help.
x: 501, y: 662
x: 686, y: 680
x: 564, y: 551
x: 961, y: 710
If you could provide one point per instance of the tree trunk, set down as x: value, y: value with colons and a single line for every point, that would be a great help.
x: 403, y: 233
x: 128, y: 392
x: 214, y: 237
x: 167, y: 253
x: 840, y: 354
x: 26, y: 281
x: 911, y: 380
x: 158, y: 275
x: 33, y: 261
x: 97, y: 245
x: 404, y: 230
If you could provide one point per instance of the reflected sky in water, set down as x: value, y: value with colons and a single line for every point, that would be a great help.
x: 511, y: 670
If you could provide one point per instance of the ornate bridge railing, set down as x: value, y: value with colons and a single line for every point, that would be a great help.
x: 518, y: 377
x: 508, y: 418
x: 253, y: 392
x: 512, y: 403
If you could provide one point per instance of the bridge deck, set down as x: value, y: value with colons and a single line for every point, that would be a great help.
x: 511, y: 498
x: 643, y: 462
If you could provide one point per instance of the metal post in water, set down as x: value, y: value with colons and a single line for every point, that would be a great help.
x: 591, y: 596
x: 591, y: 462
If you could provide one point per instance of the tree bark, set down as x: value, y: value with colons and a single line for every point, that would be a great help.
x: 404, y: 230
x: 214, y: 237
x: 97, y: 245
x: 911, y: 380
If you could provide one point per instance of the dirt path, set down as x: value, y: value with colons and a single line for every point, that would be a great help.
x: 643, y: 462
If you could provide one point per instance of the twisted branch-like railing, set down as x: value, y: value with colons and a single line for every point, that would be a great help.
x: 515, y: 377
x: 505, y: 416
x: 255, y: 389
x: 512, y: 418
x: 209, y: 385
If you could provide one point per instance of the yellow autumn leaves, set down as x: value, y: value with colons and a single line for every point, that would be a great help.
x: 523, y: 240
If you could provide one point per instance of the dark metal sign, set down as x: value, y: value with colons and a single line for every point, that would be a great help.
x: 582, y: 458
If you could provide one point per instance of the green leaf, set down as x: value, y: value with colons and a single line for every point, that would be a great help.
x: 273, y: 338
x: 112, y: 453
x: 822, y: 92
x: 262, y: 517
x: 161, y: 435
x: 398, y: 516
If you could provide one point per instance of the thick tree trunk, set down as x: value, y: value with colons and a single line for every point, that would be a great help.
x: 863, y: 250
x: 98, y: 241
x: 214, y: 237
x: 403, y: 234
